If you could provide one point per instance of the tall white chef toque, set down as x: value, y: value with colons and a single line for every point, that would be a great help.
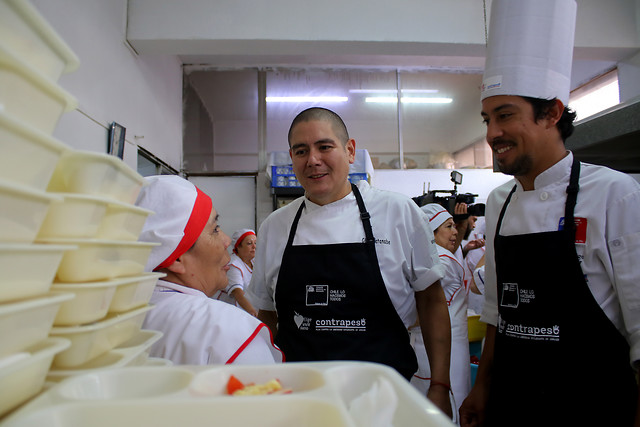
x: 181, y: 213
x: 530, y: 49
x: 436, y: 215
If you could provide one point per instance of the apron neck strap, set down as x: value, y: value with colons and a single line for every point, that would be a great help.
x: 364, y: 216
x: 504, y: 209
x: 569, y: 206
x: 572, y: 197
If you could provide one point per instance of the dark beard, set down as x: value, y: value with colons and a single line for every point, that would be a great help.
x: 521, y: 166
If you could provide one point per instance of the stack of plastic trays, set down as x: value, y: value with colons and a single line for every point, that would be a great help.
x: 32, y: 59
x: 95, y: 212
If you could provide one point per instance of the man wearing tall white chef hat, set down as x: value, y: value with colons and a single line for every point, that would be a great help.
x: 562, y: 296
x: 193, y: 253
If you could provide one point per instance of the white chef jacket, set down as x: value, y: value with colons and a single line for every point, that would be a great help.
x: 239, y: 276
x: 456, y: 295
x: 608, y: 206
x: 470, y: 261
x: 198, y: 330
x: 405, y: 246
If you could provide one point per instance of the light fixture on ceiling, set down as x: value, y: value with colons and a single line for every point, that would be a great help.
x: 301, y: 99
x: 379, y: 91
x: 407, y: 100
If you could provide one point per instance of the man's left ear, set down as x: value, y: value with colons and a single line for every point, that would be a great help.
x: 555, y: 113
x: 351, y: 147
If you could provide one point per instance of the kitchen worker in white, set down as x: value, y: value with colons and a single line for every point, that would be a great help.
x: 563, y: 242
x: 197, y: 330
x: 455, y: 291
x: 243, y: 244
x: 342, y: 272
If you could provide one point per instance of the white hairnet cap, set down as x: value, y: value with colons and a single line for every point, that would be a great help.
x: 436, y: 215
x: 181, y: 213
x: 530, y: 49
x: 239, y: 235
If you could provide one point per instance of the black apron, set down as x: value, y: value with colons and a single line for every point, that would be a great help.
x: 332, y: 304
x: 558, y: 359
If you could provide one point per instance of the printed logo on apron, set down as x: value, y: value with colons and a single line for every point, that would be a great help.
x: 317, y: 295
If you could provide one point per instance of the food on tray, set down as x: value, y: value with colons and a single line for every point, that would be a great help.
x: 235, y: 387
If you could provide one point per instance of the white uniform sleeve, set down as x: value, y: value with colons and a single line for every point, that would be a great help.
x: 425, y: 268
x: 258, y: 290
x: 623, y: 241
x: 478, y: 278
x: 234, y: 275
x: 259, y: 349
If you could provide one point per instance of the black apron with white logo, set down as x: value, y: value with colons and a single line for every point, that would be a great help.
x: 332, y: 304
x: 558, y: 359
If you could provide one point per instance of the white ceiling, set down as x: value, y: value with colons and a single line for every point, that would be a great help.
x: 446, y: 40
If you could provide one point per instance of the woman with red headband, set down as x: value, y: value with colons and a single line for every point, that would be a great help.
x: 243, y: 244
x: 192, y: 252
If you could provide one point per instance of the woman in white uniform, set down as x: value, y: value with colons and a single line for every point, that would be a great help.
x: 456, y: 294
x: 192, y: 252
x: 243, y: 243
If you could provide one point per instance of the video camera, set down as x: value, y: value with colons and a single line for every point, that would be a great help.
x: 449, y: 202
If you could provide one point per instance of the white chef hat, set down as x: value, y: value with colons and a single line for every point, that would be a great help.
x: 239, y: 235
x: 181, y: 213
x: 530, y: 49
x: 436, y: 215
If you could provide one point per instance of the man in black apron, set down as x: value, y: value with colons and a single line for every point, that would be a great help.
x: 331, y: 299
x: 553, y: 356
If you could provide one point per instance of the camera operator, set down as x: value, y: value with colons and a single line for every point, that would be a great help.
x: 465, y: 224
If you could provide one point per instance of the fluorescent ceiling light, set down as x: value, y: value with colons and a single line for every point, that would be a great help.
x: 393, y: 91
x: 417, y: 100
x: 407, y: 100
x: 298, y: 99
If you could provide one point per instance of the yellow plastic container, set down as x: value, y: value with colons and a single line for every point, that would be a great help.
x: 477, y: 329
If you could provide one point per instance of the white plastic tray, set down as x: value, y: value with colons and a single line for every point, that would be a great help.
x: 22, y: 211
x: 28, y: 269
x: 25, y: 33
x: 29, y: 156
x: 73, y: 216
x: 26, y: 322
x: 95, y: 339
x: 133, y: 352
x: 100, y: 174
x: 29, y: 96
x: 193, y: 395
x: 96, y: 259
x: 133, y: 292
x: 122, y: 221
x: 91, y: 302
x: 23, y: 376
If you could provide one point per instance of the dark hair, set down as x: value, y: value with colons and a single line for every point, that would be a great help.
x: 319, y: 113
x: 541, y: 108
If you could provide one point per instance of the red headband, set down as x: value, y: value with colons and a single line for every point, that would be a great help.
x: 438, y: 213
x: 200, y: 214
x: 241, y: 238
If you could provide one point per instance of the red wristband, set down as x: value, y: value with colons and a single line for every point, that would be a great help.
x: 434, y: 382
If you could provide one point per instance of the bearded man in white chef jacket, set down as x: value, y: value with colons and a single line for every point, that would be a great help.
x: 192, y: 252
x: 339, y: 272
x: 562, y: 284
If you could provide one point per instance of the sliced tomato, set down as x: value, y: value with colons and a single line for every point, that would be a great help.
x: 234, y: 385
